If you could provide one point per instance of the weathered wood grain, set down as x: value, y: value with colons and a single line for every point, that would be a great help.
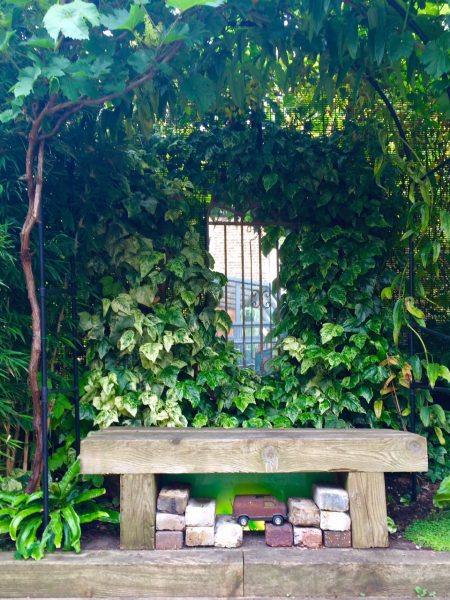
x: 137, y: 511
x: 258, y: 572
x: 106, y: 574
x: 344, y: 573
x: 367, y: 494
x: 151, y: 450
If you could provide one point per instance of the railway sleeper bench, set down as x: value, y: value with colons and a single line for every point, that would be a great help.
x: 362, y: 456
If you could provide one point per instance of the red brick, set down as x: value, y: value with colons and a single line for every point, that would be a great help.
x: 169, y: 540
x: 337, y: 539
x: 279, y: 536
x: 308, y: 537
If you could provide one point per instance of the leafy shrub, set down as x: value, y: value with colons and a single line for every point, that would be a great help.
x: 442, y: 497
x: 432, y: 532
x: 71, y: 504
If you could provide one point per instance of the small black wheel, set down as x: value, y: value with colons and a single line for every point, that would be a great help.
x: 243, y: 520
x: 277, y: 520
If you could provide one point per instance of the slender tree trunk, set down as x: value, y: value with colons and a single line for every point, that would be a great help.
x: 34, y: 183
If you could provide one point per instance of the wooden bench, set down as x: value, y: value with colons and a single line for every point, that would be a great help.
x: 364, y: 455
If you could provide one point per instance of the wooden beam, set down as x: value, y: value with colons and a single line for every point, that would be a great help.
x: 137, y: 512
x: 151, y: 450
x: 124, y: 574
x: 287, y: 573
x: 367, y: 496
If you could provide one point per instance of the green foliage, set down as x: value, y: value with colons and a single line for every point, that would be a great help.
x: 442, y: 497
x: 71, y: 505
x: 154, y: 351
x: 340, y: 362
x: 432, y: 532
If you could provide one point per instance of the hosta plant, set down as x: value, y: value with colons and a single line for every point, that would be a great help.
x: 71, y: 505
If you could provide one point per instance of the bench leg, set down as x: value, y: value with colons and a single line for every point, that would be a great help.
x: 137, y: 511
x: 368, y: 512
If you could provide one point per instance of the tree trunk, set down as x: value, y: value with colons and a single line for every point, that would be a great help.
x: 34, y: 184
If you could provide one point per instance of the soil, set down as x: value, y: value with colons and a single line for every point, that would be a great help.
x: 403, y: 509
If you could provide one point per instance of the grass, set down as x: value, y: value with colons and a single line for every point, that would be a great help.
x: 432, y: 532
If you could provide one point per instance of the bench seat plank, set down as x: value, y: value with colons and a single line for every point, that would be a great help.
x: 124, y: 450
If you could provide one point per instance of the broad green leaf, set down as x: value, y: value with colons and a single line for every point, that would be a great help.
x: 378, y: 408
x: 200, y: 90
x: 183, y: 5
x: 89, y: 495
x: 4, y: 40
x: 142, y: 60
x: 200, y: 420
x: 445, y: 223
x: 436, y: 56
x: 400, y: 45
x: 126, y: 340
x: 397, y: 318
x: 330, y: 331
x: 433, y: 372
x: 73, y: 522
x: 71, y: 20
x: 337, y: 294
x: 413, y: 309
x: 122, y: 19
x: 442, y: 496
x: 425, y: 415
x: 27, y: 79
x: 269, y: 181
x: 151, y: 350
x: 21, y: 515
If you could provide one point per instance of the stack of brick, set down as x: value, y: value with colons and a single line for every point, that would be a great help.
x: 200, y: 521
x: 335, y: 521
x: 304, y: 514
x: 171, y: 507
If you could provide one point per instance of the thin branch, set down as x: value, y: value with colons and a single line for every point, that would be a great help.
x: 376, y: 86
x: 400, y: 10
x: 71, y: 107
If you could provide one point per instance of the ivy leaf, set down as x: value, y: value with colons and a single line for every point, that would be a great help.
x: 436, y: 56
x: 269, y: 181
x: 183, y: 5
x: 200, y: 420
x: 71, y: 19
x: 413, y: 309
x: 126, y: 340
x: 330, y: 331
x: 150, y: 351
x: 337, y: 294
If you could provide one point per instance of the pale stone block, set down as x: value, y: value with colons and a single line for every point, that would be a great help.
x: 173, y: 499
x: 332, y: 498
x: 303, y: 512
x: 308, y: 537
x: 228, y: 533
x: 199, y: 536
x: 170, y: 522
x: 334, y: 521
x: 201, y: 512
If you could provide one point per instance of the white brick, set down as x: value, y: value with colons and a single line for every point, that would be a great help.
x: 334, y: 521
x: 170, y: 522
x: 228, y: 533
x: 199, y: 536
x: 201, y: 512
x: 329, y: 497
x: 173, y: 499
x: 303, y: 512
